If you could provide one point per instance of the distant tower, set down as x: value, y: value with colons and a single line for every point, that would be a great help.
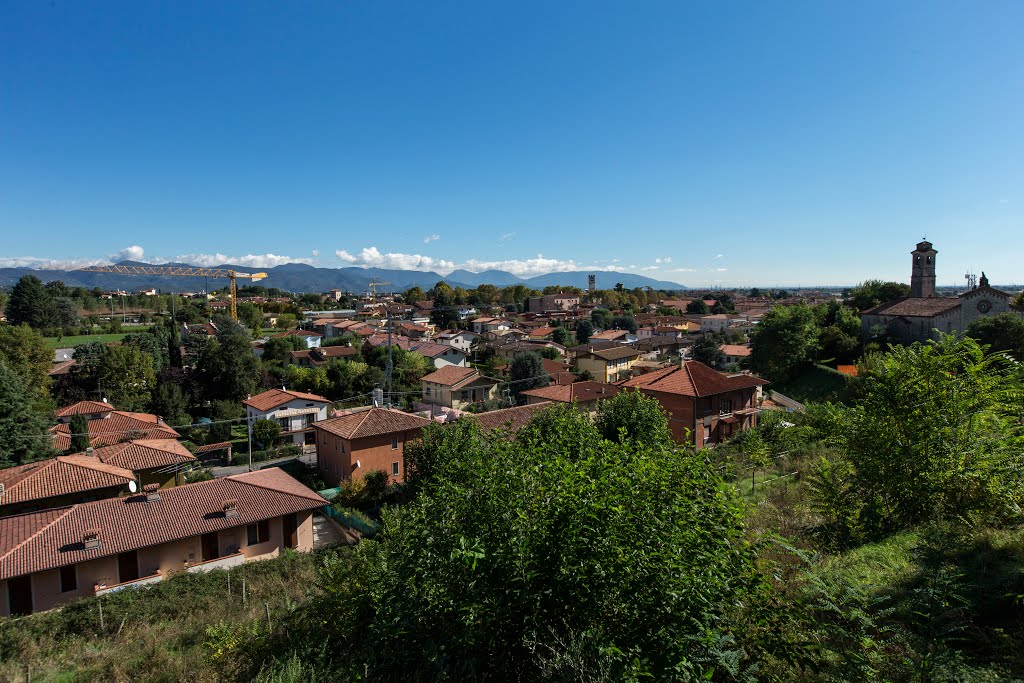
x: 591, y: 283
x: 922, y: 277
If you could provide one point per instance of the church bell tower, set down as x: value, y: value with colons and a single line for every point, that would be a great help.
x: 922, y: 276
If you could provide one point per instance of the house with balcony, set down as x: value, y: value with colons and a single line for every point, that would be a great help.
x: 52, y: 557
x: 350, y: 445
x: 455, y: 387
x: 293, y: 410
x: 704, y: 406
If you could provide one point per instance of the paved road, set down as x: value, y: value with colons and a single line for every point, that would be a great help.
x: 308, y: 458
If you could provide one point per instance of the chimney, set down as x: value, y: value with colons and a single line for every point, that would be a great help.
x: 152, y: 492
x: 91, y: 540
x: 231, y: 508
x: 90, y: 451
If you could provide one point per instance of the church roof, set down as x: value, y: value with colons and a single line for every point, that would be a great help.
x: 915, y: 307
x: 986, y: 290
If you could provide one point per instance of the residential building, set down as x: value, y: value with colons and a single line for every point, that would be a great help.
x: 735, y: 353
x: 559, y: 371
x: 584, y: 394
x: 489, y: 324
x: 608, y: 365
x: 618, y: 336
x: 363, y: 440
x: 293, y: 410
x: 311, y: 339
x: 153, y: 461
x: 59, y: 481
x: 507, y: 420
x: 108, y: 426
x: 704, y: 406
x: 54, y: 556
x: 553, y: 302
x: 455, y: 387
x: 459, y: 339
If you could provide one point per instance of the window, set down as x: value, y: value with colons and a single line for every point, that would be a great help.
x: 68, y: 578
x: 394, y: 469
x: 394, y: 442
x: 258, y: 532
x: 724, y: 405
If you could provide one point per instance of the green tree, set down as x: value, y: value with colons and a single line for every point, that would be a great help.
x: 697, y: 307
x: 624, y: 322
x: 127, y: 377
x: 708, y: 350
x: 171, y: 403
x: 1003, y: 332
x: 265, y: 432
x: 561, y: 336
x: 412, y: 295
x: 550, y: 352
x: 25, y: 352
x: 30, y: 304
x: 526, y: 371
x: 601, y: 317
x: 937, y: 433
x: 278, y: 349
x: 632, y: 417
x: 784, y: 342
x: 251, y: 316
x: 840, y: 332
x: 79, y: 433
x: 584, y: 331
x: 871, y: 293
x: 443, y: 314
x: 23, y: 430
x: 576, y: 559
x: 229, y: 368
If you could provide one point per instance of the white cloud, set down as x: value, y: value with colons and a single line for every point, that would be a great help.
x: 132, y: 253
x: 667, y: 259
x: 718, y: 270
x: 684, y: 270
x: 248, y: 261
x: 717, y: 256
x: 431, y: 238
x: 646, y: 268
x: 506, y: 237
x: 48, y: 264
x: 316, y: 253
x: 372, y: 257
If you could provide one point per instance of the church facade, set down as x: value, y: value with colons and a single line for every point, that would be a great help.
x: 923, y: 314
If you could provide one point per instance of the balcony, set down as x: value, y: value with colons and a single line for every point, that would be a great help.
x: 226, y: 562
x: 137, y: 583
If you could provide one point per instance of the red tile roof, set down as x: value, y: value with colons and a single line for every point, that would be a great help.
x: 559, y: 372
x: 372, y: 422
x: 273, y: 398
x: 84, y: 408
x: 511, y: 419
x: 59, y: 476
x: 612, y: 353
x: 740, y: 350
x: 582, y: 392
x: 915, y: 307
x: 38, y: 541
x: 694, y: 379
x: 144, y: 454
x: 116, y: 427
x: 451, y: 376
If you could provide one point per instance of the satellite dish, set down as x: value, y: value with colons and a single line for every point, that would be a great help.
x: 132, y: 487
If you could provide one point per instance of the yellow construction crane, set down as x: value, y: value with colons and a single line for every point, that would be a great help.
x: 184, y: 271
x: 374, y: 284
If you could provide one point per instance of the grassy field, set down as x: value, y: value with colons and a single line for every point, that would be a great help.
x: 817, y: 383
x: 188, y: 628
x: 75, y: 340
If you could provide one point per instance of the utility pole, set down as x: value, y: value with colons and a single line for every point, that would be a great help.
x: 389, y: 367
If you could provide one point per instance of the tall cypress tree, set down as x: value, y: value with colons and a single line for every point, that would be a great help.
x: 79, y: 433
x: 23, y: 431
x: 30, y: 303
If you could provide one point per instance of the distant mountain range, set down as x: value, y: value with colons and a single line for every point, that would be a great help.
x: 299, y: 277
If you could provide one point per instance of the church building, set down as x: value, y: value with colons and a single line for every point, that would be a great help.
x: 917, y: 317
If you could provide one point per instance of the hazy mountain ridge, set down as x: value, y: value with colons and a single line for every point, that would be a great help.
x: 300, y: 277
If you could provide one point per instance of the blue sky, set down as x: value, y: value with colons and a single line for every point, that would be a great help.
x: 706, y: 143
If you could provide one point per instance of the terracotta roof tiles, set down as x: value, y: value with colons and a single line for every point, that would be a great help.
x: 59, y: 476
x: 372, y: 422
x: 38, y: 541
x: 915, y: 307
x: 581, y: 392
x: 511, y: 419
x: 84, y: 408
x: 451, y: 375
x: 273, y: 398
x: 694, y: 379
x: 116, y: 427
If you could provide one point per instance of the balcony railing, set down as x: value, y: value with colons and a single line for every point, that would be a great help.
x: 225, y: 562
x: 137, y: 583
